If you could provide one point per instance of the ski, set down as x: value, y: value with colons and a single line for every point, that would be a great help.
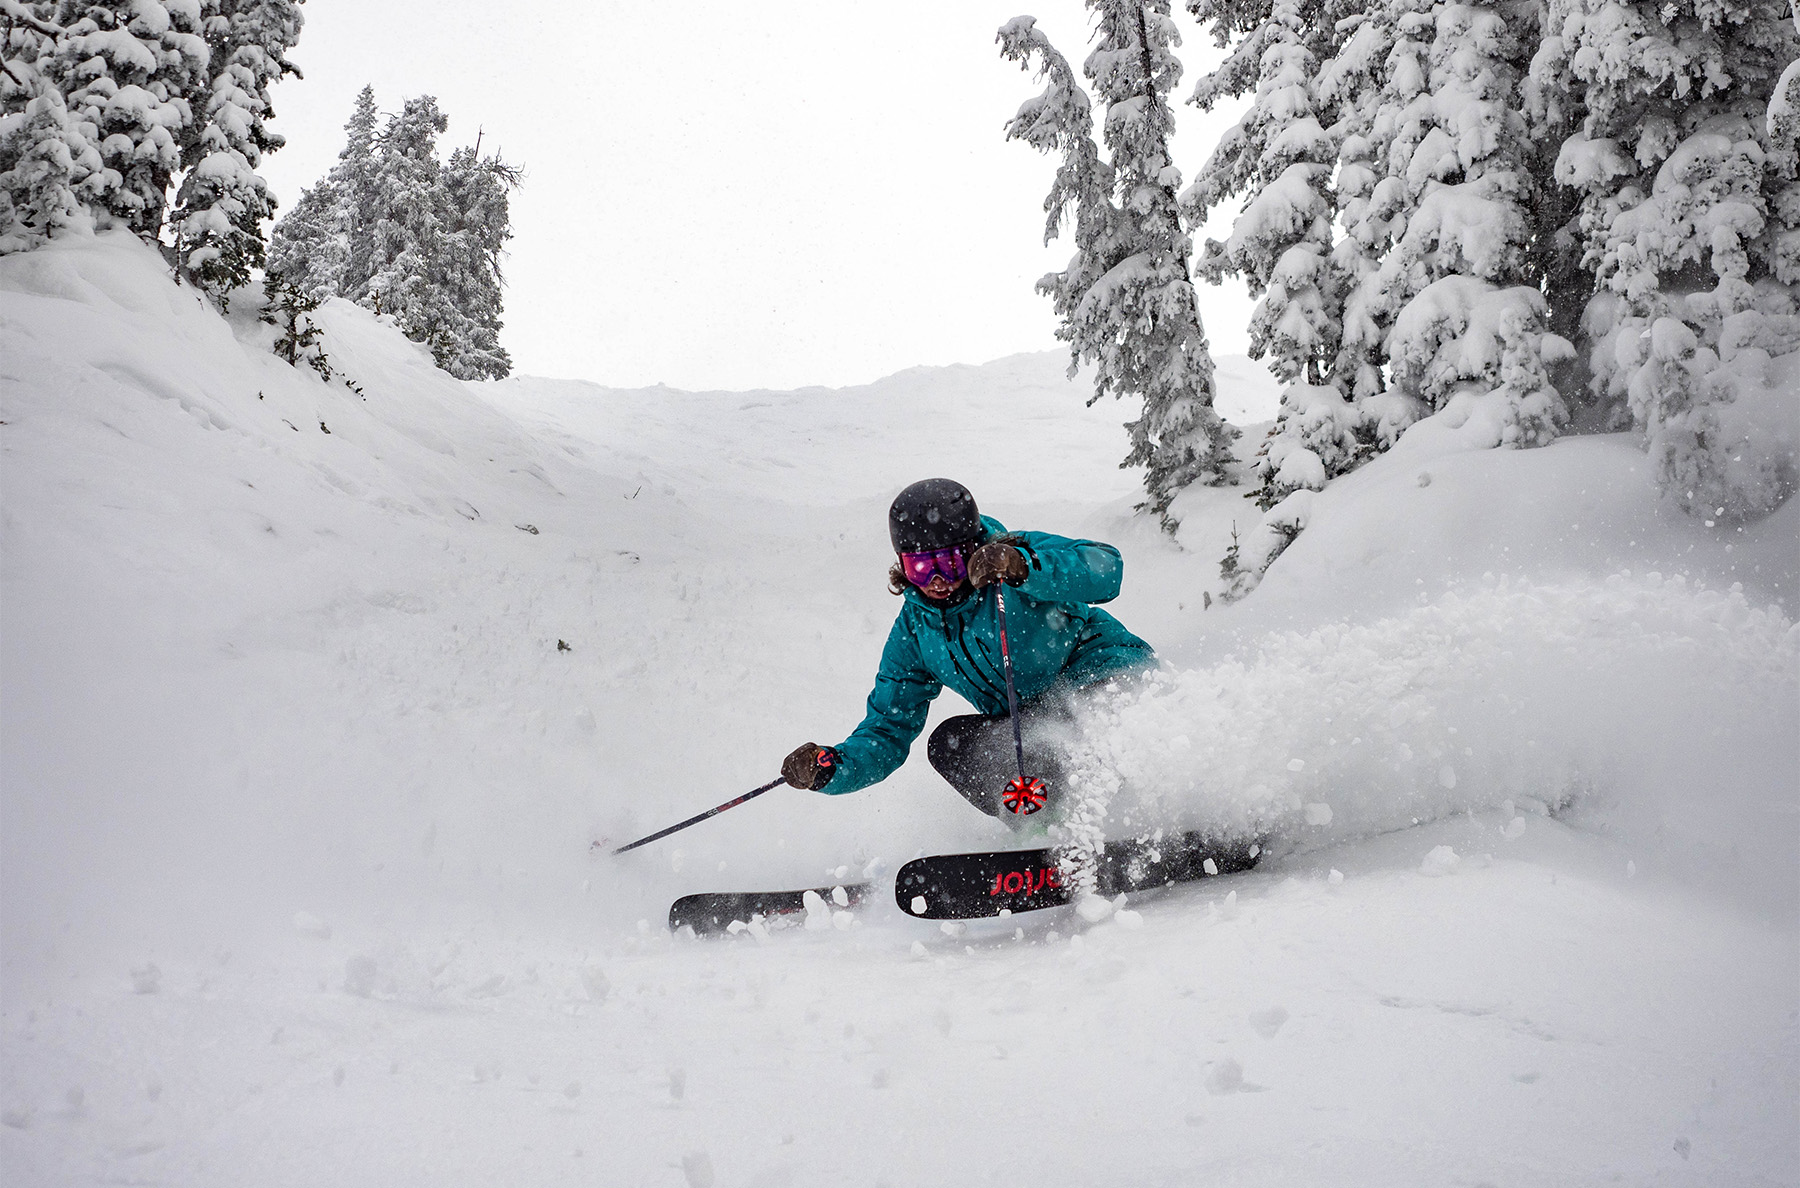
x: 715, y: 912
x: 998, y: 882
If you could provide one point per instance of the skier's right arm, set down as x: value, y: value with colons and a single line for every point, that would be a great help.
x: 897, y: 708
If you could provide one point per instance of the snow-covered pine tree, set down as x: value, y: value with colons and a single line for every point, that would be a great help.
x: 355, y: 195
x: 324, y: 245
x: 1140, y: 321
x: 308, y: 245
x: 223, y: 202
x: 129, y: 71
x: 1465, y: 319
x: 288, y: 308
x: 407, y: 219
x: 1350, y: 85
x: 1279, y: 159
x: 476, y: 191
x: 1677, y: 183
x: 1782, y: 127
x: 1130, y: 307
x: 1060, y: 122
x: 44, y: 155
x: 396, y: 231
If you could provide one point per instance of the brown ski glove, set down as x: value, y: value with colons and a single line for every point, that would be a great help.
x: 994, y: 562
x: 810, y: 766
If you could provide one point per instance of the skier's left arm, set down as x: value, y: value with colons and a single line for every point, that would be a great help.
x: 1058, y: 569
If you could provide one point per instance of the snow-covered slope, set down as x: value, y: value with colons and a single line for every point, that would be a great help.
x: 311, y: 703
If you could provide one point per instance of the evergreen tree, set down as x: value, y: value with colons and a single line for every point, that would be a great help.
x: 1350, y: 84
x: 1682, y: 214
x: 44, y: 157
x: 407, y: 220
x: 1782, y: 129
x: 1060, y: 122
x: 223, y: 202
x: 1455, y: 289
x: 128, y: 71
x: 109, y: 104
x: 325, y: 245
x: 395, y: 230
x: 1279, y: 159
x: 477, y: 192
x: 1127, y: 300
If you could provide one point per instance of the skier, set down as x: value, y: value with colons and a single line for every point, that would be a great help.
x: 947, y: 633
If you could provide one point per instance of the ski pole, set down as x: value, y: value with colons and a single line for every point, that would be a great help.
x: 1024, y: 795
x: 695, y: 820
x: 1012, y: 696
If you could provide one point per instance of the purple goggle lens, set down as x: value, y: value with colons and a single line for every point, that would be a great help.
x: 921, y: 567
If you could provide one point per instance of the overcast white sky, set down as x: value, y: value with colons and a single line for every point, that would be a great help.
x: 736, y: 195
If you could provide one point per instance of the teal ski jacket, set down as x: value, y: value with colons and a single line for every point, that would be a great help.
x: 1055, y: 632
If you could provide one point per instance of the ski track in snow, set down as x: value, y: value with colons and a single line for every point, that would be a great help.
x: 298, y: 790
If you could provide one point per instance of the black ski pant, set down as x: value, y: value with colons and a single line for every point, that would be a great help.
x: 975, y: 752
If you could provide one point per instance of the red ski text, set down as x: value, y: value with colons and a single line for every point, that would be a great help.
x: 1026, y: 882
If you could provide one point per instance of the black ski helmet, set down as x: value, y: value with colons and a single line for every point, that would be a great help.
x: 934, y: 513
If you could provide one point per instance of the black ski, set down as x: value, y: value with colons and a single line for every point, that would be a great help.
x: 974, y: 886
x: 714, y: 912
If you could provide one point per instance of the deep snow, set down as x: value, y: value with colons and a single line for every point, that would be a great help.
x: 297, y: 789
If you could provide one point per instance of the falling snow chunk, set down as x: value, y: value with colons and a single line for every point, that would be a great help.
x: 1094, y: 908
x: 919, y: 905
x: 1447, y: 776
x: 1318, y: 814
x: 818, y: 916
x: 840, y: 897
x: 953, y: 928
x: 494, y: 987
x: 359, y: 975
x: 918, y: 950
x: 1296, y: 765
x: 595, y: 982
x: 1335, y: 878
x: 1441, y: 861
x: 1268, y: 1022
x: 1211, y: 867
x: 843, y: 920
x: 307, y: 924
x: 1631, y: 868
x: 697, y: 1167
x: 1225, y: 1076
x: 1514, y: 829
x: 1127, y: 919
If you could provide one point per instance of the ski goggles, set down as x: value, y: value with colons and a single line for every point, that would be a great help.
x: 951, y: 563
